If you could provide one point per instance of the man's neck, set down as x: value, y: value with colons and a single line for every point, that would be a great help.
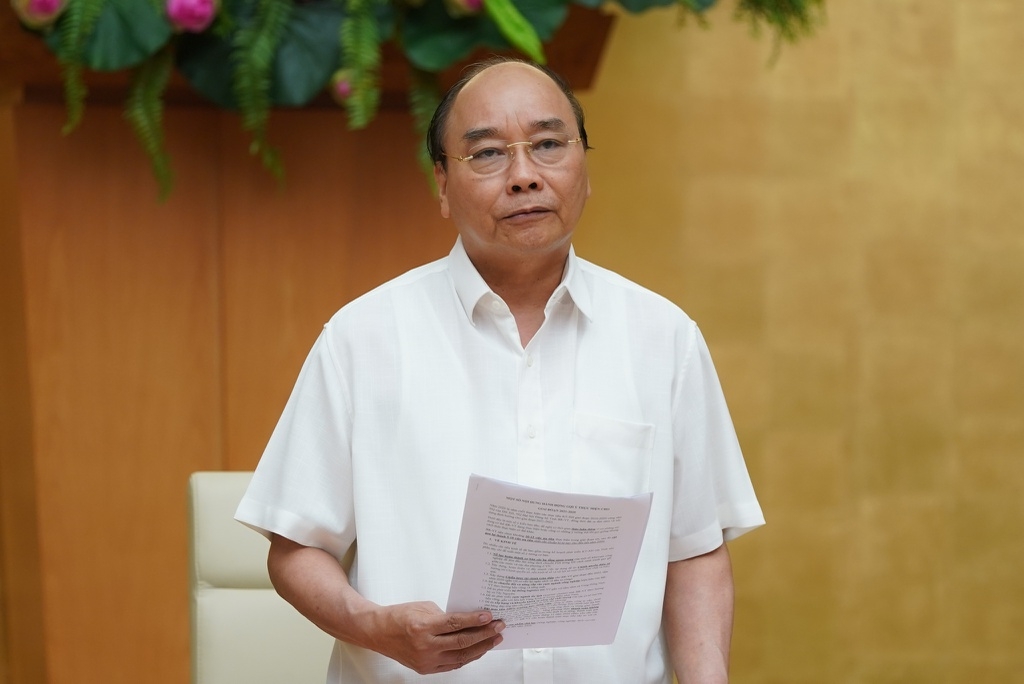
x: 525, y: 286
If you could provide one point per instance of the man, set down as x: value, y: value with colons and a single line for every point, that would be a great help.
x: 514, y: 359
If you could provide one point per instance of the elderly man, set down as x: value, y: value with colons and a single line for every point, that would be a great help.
x: 514, y: 359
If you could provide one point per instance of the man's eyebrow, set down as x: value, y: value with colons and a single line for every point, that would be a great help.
x: 491, y: 133
x: 552, y: 124
x: 476, y: 134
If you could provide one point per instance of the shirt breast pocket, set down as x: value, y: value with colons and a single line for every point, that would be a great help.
x: 611, y: 457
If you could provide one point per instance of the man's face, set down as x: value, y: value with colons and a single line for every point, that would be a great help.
x: 529, y: 210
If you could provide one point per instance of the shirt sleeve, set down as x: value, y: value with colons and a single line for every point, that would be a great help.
x: 714, y: 497
x: 302, y: 487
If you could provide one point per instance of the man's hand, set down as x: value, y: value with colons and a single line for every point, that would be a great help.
x: 418, y: 635
x: 426, y: 639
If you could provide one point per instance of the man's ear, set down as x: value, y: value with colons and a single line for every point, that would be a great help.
x: 441, y: 178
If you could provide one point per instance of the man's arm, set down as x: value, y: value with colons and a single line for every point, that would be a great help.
x: 418, y: 635
x: 698, y: 617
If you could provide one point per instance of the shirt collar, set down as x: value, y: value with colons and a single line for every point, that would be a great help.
x: 471, y: 287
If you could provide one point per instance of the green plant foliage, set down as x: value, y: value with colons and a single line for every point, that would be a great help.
x: 307, y: 54
x: 434, y: 41
x: 790, y: 19
x: 515, y: 28
x: 424, y: 96
x: 204, y: 60
x: 144, y: 110
x: 254, y: 46
x: 264, y: 53
x: 120, y: 34
x: 545, y: 17
x: 71, y: 34
x: 360, y: 49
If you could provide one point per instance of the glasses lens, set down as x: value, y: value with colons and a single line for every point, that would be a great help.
x: 493, y: 156
x: 549, y: 148
x: 489, y: 157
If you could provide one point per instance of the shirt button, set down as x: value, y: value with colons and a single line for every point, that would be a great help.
x: 531, y: 432
x: 496, y: 306
x: 529, y: 359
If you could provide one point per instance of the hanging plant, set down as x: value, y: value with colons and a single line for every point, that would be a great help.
x: 254, y: 55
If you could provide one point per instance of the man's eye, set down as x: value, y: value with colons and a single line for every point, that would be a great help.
x: 547, y: 144
x: 489, y: 153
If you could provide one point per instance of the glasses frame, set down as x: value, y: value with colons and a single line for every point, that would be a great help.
x: 511, y: 152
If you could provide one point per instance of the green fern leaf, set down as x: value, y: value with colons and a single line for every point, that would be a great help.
x: 790, y: 19
x: 144, y: 110
x: 78, y: 22
x: 253, y: 52
x: 360, y: 52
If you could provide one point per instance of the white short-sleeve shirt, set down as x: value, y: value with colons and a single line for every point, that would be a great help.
x: 422, y: 381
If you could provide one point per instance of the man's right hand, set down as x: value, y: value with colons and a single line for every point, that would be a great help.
x: 426, y: 639
x: 418, y: 635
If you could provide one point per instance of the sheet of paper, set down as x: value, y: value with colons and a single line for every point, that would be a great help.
x: 554, y: 567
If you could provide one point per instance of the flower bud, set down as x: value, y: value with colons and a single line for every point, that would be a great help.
x: 341, y: 85
x: 193, y: 16
x: 37, y: 14
x: 463, y: 8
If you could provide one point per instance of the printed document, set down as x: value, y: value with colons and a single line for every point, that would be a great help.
x: 554, y: 567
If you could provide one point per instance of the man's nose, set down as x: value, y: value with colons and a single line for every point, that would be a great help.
x: 522, y: 172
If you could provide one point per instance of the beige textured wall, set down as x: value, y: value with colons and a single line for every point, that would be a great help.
x: 847, y: 227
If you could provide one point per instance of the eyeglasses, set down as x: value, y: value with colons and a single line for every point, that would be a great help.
x: 494, y: 156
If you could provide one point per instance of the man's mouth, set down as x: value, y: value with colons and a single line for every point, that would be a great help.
x: 528, y: 211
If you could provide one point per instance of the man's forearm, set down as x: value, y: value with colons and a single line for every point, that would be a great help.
x: 316, y: 585
x: 698, y: 617
x: 418, y: 635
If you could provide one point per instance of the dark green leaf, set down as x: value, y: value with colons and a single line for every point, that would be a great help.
x: 433, y: 40
x: 308, y: 53
x: 126, y: 33
x: 543, y: 15
x: 515, y: 28
x: 205, y: 61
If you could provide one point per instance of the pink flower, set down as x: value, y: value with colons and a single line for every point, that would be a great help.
x: 38, y: 13
x: 194, y: 16
x: 341, y: 85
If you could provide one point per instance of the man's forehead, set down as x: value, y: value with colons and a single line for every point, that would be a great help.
x: 510, y: 88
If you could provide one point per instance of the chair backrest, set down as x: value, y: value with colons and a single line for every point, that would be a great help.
x: 242, y: 631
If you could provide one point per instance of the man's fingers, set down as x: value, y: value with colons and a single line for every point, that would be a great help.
x: 457, y: 622
x: 471, y: 642
x: 428, y: 640
x: 463, y: 656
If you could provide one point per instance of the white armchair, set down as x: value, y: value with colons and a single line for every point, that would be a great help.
x: 242, y: 631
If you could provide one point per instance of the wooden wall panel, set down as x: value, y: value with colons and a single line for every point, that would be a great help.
x: 397, y: 218
x: 355, y: 210
x: 22, y: 656
x: 122, y: 310
x: 164, y: 339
